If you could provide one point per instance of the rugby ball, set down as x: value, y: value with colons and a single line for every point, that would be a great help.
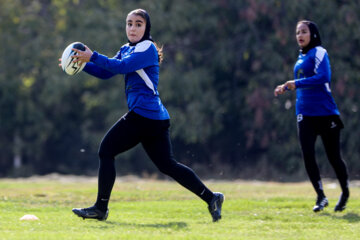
x: 67, y: 62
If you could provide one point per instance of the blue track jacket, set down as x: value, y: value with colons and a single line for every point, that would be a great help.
x: 312, y: 75
x: 140, y: 65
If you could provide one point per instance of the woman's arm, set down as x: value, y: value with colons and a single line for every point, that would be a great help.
x: 144, y: 55
x: 96, y: 71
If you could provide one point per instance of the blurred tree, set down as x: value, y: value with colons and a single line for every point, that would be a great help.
x: 223, y: 59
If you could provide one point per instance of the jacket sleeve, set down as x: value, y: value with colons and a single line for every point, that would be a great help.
x: 97, y: 71
x: 143, y: 56
x: 322, y: 71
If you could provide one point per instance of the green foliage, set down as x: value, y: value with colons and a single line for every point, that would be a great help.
x: 222, y: 62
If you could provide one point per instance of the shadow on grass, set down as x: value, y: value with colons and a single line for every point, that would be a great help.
x: 172, y: 225
x: 350, y: 217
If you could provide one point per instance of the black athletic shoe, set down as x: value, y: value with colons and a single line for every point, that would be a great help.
x: 321, y: 203
x: 215, y: 206
x: 91, y: 212
x: 341, y: 204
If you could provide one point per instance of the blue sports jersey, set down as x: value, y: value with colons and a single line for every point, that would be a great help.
x: 312, y: 75
x: 140, y: 65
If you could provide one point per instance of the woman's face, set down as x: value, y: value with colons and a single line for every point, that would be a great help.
x: 302, y: 35
x: 135, y: 28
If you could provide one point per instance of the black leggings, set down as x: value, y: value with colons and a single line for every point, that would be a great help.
x: 154, y: 135
x: 328, y: 127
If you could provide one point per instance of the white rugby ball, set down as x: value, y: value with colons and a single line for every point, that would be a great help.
x: 67, y: 62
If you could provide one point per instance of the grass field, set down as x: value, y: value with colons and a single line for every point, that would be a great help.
x: 149, y: 209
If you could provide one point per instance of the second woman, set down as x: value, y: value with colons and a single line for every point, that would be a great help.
x: 317, y: 113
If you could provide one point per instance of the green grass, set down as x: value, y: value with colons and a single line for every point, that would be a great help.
x: 148, y: 209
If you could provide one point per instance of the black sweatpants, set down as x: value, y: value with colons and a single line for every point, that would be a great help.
x: 154, y: 135
x: 328, y: 128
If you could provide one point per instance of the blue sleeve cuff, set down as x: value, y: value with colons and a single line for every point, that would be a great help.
x: 298, y: 83
x: 94, y: 56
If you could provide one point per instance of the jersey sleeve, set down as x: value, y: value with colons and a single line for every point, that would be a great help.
x: 97, y: 71
x: 322, y: 71
x: 144, y: 55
